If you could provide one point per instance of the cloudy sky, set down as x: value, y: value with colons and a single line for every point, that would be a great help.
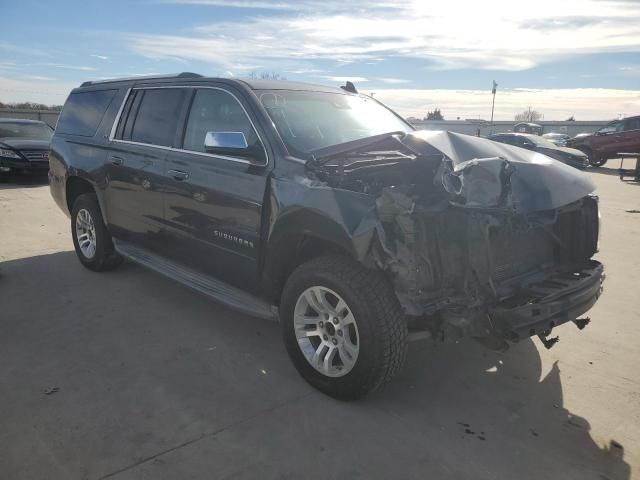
x: 562, y: 57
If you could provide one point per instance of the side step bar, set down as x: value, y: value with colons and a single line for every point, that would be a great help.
x: 216, y: 289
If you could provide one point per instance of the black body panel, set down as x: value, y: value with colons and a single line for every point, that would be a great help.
x: 458, y: 224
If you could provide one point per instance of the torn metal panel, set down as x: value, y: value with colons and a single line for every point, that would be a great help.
x: 537, y: 182
x: 463, y: 227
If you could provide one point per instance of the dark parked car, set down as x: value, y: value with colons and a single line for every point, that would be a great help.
x: 324, y: 209
x: 570, y: 156
x: 619, y: 136
x: 24, y: 146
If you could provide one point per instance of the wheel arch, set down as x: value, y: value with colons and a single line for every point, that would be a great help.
x: 75, y: 186
x: 296, y: 248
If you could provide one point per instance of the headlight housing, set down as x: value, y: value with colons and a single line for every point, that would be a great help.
x: 6, y: 153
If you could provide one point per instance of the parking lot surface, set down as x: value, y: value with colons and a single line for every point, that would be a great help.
x: 128, y: 375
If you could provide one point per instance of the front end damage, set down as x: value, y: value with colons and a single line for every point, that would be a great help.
x: 480, y: 239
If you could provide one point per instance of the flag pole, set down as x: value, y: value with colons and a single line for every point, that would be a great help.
x: 493, y: 103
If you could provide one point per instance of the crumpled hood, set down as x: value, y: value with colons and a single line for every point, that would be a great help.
x: 487, y: 174
x: 24, y: 143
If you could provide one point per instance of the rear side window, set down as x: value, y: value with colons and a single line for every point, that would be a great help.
x: 153, y: 116
x: 83, y: 112
x: 633, y: 124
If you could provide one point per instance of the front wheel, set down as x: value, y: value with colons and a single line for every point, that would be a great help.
x: 594, y: 160
x: 343, y: 327
x: 597, y: 162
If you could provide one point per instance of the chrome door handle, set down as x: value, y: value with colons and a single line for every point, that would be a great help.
x: 116, y: 160
x: 178, y: 174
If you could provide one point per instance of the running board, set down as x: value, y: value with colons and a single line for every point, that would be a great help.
x: 216, y: 289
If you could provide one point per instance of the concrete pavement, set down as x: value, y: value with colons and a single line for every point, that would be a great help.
x: 155, y: 381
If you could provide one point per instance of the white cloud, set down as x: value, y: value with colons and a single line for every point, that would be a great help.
x: 38, y: 77
x: 266, y: 5
x: 555, y: 104
x: 392, y: 80
x: 456, y: 33
x: 344, y: 79
x: 69, y: 67
x: 34, y: 90
x: 101, y: 57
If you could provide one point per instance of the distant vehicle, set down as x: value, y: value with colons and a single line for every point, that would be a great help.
x: 558, y: 139
x: 570, y: 156
x: 619, y: 136
x: 24, y: 146
x: 527, y: 127
x: 580, y: 135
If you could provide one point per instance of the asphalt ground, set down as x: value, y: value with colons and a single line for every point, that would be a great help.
x: 128, y: 375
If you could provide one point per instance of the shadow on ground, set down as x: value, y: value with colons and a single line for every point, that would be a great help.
x: 8, y: 182
x: 129, y: 375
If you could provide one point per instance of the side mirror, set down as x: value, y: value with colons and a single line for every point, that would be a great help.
x: 234, y: 144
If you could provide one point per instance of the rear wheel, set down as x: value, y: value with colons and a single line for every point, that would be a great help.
x: 91, y: 238
x: 342, y: 326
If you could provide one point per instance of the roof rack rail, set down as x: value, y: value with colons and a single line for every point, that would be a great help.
x: 142, y: 77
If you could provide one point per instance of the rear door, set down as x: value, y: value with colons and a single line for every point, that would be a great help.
x: 146, y: 129
x: 631, y: 136
x: 213, y: 203
x: 608, y: 140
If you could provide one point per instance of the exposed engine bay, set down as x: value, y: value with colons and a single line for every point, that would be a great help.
x: 481, y: 239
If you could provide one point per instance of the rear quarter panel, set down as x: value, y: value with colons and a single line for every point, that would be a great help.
x: 82, y: 156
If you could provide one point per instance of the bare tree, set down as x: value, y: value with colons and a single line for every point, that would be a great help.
x: 30, y: 106
x: 266, y: 76
x: 529, y: 115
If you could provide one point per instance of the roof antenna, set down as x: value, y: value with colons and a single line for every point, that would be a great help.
x: 349, y: 87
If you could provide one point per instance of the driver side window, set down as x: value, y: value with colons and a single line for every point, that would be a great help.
x: 612, y: 127
x: 215, y: 111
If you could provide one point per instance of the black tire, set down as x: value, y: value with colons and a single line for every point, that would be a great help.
x: 105, y: 257
x: 382, y: 329
x: 594, y: 161
x: 597, y: 162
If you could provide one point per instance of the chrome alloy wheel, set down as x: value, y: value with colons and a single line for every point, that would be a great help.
x: 86, y: 233
x: 326, y: 331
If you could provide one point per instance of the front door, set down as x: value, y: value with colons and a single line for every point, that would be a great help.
x: 136, y: 165
x: 213, y: 203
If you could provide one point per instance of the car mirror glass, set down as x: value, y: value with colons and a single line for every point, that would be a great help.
x: 226, y: 140
x: 234, y: 144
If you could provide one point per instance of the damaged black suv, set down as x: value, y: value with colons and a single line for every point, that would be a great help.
x: 324, y: 209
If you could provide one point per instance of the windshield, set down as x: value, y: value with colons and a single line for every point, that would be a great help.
x: 38, y: 131
x: 540, y: 142
x: 309, y: 121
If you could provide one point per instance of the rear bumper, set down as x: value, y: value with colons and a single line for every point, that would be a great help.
x: 557, y: 300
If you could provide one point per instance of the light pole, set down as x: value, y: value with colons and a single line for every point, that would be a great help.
x: 493, y: 103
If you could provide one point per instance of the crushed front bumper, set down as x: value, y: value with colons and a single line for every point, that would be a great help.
x: 559, y: 299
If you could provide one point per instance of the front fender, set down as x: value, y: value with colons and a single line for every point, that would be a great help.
x: 300, y: 207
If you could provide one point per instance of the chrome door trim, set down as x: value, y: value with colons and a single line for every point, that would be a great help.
x: 182, y: 150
